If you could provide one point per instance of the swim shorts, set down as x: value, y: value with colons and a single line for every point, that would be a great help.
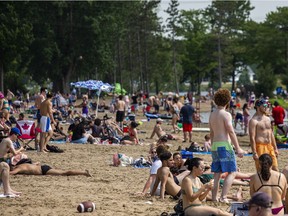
x: 262, y: 148
x: 45, y: 124
x: 45, y: 169
x: 223, y: 157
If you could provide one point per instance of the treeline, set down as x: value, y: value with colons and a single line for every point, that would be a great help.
x: 126, y: 42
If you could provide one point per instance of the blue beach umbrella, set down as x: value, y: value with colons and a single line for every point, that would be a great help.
x: 94, y: 85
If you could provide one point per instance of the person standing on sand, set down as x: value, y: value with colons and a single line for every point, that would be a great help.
x: 187, y: 112
x: 262, y: 139
x: 223, y: 156
x: 46, y: 120
x: 39, y: 99
x: 120, y: 111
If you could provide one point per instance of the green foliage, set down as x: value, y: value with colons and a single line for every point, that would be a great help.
x: 266, y: 81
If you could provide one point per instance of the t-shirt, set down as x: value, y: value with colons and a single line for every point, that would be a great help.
x: 78, y: 131
x: 153, y: 171
x: 187, y: 113
x: 278, y: 113
x: 134, y: 99
x: 97, y: 131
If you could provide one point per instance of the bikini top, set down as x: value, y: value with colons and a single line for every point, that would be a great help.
x: 268, y: 185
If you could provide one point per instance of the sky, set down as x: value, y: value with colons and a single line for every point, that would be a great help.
x: 262, y: 7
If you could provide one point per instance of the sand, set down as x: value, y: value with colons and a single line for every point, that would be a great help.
x: 111, y: 188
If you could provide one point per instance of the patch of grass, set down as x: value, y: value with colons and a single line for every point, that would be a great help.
x: 282, y: 102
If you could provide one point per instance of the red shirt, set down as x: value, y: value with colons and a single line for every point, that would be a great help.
x: 278, y: 113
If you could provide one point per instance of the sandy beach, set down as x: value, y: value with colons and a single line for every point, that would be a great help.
x: 111, y: 188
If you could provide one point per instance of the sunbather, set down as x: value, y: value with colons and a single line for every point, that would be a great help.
x: 159, y: 131
x: 38, y: 169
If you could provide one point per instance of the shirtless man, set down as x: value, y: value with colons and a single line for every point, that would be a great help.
x: 4, y: 178
x: 7, y: 145
x: 46, y: 120
x: 164, y: 176
x: 120, y: 111
x: 39, y: 99
x: 38, y: 169
x: 261, y: 135
x: 223, y: 156
x: 159, y: 132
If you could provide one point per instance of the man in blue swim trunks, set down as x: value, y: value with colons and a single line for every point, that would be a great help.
x: 223, y: 156
x: 46, y: 120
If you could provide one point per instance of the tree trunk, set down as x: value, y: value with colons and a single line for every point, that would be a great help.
x: 219, y: 62
x: 174, y: 67
x: 2, y: 77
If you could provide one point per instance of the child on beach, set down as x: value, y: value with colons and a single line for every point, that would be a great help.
x: 207, y: 143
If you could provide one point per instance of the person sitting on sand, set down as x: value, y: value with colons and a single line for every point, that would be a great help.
x: 168, y: 185
x: 179, y: 162
x: 194, y: 192
x: 79, y: 134
x: 159, y: 131
x: 133, y: 135
x: 4, y: 179
x: 271, y: 182
x: 156, y: 152
x: 7, y: 145
x: 38, y: 169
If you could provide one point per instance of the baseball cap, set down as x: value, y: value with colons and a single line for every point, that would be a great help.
x: 261, y: 199
x: 159, y: 120
x: 15, y: 131
x: 260, y: 102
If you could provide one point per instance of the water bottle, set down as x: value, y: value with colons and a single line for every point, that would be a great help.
x: 148, y: 119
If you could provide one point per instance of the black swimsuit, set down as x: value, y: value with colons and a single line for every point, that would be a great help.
x: 267, y: 185
x: 45, y: 169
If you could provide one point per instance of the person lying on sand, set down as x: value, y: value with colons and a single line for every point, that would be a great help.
x: 4, y: 179
x: 38, y: 169
x: 160, y: 133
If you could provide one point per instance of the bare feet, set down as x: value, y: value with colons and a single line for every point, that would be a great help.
x: 87, y: 174
x: 238, y: 196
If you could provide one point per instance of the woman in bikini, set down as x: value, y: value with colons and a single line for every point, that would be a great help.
x: 271, y: 182
x: 194, y: 192
x: 133, y: 135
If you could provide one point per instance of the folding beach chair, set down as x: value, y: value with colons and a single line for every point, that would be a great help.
x: 27, y: 128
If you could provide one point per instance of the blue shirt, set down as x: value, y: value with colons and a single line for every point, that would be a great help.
x: 186, y: 112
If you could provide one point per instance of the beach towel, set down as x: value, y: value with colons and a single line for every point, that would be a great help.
x: 58, y: 141
x: 141, y: 163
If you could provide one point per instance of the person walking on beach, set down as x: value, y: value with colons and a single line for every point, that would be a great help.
x: 223, y: 156
x: 262, y: 139
x: 187, y: 114
x: 46, y: 120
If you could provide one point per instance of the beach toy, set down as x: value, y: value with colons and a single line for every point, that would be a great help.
x: 86, y: 206
x: 140, y: 122
x: 180, y: 125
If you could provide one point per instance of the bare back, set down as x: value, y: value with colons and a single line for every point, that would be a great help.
x: 120, y: 105
x: 39, y: 99
x: 46, y: 108
x: 220, y: 123
x: 275, y: 187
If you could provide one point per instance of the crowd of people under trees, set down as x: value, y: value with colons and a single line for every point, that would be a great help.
x: 192, y: 181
